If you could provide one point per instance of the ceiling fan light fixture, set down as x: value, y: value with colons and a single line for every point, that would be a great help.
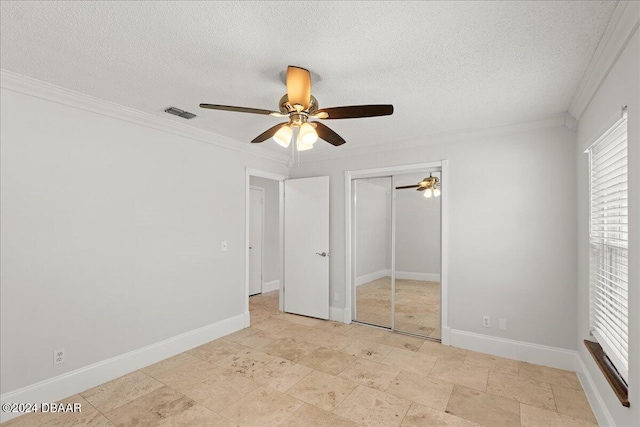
x: 299, y: 105
x: 307, y: 135
x: 283, y: 136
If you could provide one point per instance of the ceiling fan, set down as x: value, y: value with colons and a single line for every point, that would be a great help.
x: 429, y: 185
x: 299, y: 106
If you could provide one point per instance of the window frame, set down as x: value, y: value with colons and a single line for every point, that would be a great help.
x: 616, y: 355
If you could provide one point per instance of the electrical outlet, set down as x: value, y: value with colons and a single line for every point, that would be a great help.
x: 58, y: 356
x: 486, y: 321
x: 502, y: 324
x: 223, y: 246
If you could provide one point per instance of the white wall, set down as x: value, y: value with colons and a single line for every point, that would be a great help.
x: 511, y: 224
x: 372, y: 228
x: 271, y: 227
x: 417, y: 230
x: 111, y: 236
x: 621, y: 87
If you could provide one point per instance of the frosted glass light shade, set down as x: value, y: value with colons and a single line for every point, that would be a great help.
x: 427, y: 193
x: 308, y: 134
x: 303, y: 147
x: 283, y: 136
x: 436, y: 192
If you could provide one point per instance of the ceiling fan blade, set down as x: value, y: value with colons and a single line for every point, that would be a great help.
x: 354, y: 111
x: 328, y: 135
x: 268, y: 133
x: 407, y: 186
x: 298, y: 86
x: 240, y: 109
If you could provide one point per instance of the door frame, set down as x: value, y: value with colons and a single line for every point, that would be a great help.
x: 350, y: 175
x: 262, y: 233
x: 249, y: 172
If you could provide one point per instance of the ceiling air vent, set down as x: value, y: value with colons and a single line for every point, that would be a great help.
x: 180, y: 113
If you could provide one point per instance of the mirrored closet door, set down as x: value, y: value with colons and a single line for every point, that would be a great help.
x: 396, y: 244
x: 372, y: 250
x: 417, y: 258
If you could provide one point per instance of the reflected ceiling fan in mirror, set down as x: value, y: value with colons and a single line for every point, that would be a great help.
x: 429, y: 185
x: 299, y: 106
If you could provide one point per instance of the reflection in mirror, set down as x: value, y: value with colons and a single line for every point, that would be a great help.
x: 372, y: 250
x: 417, y: 266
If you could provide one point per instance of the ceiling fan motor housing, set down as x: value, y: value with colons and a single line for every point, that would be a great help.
x: 431, y: 182
x: 287, y: 108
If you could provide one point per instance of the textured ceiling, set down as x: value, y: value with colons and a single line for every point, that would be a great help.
x: 444, y: 65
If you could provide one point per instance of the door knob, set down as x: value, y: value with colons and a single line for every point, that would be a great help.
x: 323, y: 254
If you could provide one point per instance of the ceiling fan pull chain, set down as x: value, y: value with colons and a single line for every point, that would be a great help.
x: 293, y: 152
x: 296, y: 135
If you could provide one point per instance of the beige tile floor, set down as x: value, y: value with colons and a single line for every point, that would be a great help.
x: 288, y: 370
x: 417, y: 305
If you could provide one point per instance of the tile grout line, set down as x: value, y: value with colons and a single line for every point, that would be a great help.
x: 294, y: 384
x: 520, y: 412
x: 405, y: 414
x: 344, y: 400
x: 140, y: 397
x: 131, y: 373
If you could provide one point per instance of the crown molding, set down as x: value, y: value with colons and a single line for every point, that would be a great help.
x: 623, y: 23
x: 554, y: 120
x: 570, y: 122
x: 39, y: 89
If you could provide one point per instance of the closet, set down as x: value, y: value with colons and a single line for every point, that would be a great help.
x: 396, y: 252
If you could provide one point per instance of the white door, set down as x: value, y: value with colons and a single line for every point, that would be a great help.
x: 255, y: 241
x: 306, y: 246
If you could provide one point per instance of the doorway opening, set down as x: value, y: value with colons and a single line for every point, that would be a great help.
x: 264, y: 273
x: 396, y: 249
x: 257, y: 238
x: 306, y: 270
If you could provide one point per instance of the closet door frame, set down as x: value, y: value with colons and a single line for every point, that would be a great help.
x: 393, y: 253
x: 349, y: 308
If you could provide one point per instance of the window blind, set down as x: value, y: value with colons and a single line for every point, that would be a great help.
x: 608, y: 239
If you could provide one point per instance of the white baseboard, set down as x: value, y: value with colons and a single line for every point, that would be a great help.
x: 336, y: 314
x: 366, y: 278
x: 593, y: 396
x: 347, y: 315
x: 445, y: 335
x: 410, y: 275
x: 527, y: 352
x: 274, y: 285
x: 65, y: 385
